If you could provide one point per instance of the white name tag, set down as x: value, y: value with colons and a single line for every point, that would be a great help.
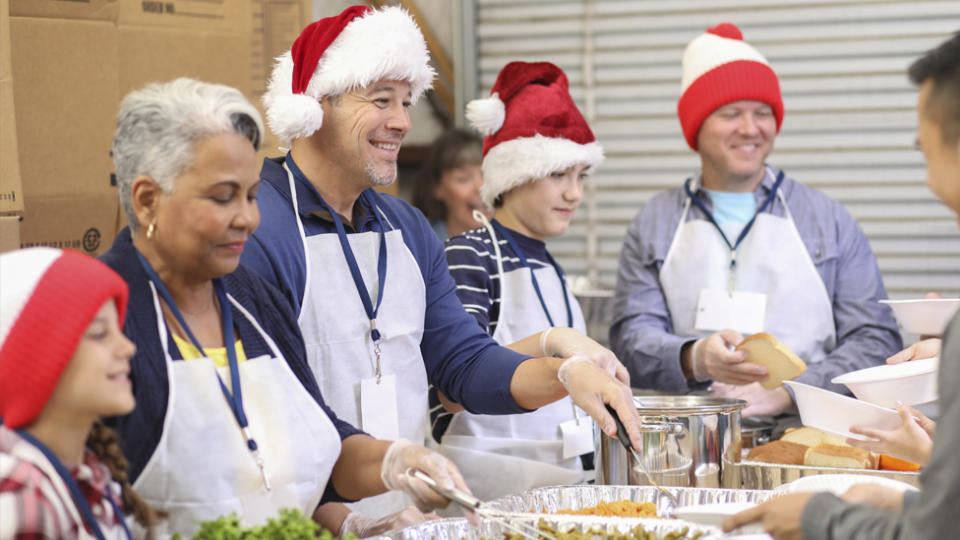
x: 577, y: 438
x: 378, y: 407
x: 742, y: 311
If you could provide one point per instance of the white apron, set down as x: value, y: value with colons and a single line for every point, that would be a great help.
x: 336, y: 332
x: 501, y: 455
x: 202, y: 468
x: 772, y: 260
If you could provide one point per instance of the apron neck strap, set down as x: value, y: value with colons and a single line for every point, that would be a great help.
x: 83, y: 506
x: 693, y: 197
x: 503, y: 231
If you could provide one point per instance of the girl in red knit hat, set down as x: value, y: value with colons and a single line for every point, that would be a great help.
x: 64, y: 363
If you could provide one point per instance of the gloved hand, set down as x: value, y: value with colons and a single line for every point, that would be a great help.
x: 403, y: 455
x: 566, y: 342
x: 590, y: 388
x: 711, y: 358
x: 362, y: 526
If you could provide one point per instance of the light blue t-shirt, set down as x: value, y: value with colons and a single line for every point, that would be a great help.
x: 732, y: 211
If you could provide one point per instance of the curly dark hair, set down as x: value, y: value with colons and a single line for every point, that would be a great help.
x: 450, y: 150
x: 105, y: 443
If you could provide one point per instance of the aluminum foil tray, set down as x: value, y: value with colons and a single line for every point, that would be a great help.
x: 764, y: 476
x: 460, y: 528
x: 551, y: 499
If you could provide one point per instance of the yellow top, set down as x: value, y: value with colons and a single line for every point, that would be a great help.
x: 217, y: 354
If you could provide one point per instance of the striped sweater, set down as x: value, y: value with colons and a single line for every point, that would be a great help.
x: 473, y: 264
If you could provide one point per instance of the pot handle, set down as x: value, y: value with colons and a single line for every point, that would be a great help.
x: 656, y: 424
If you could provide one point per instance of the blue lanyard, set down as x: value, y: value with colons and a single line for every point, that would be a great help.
x: 78, y: 498
x: 505, y: 233
x: 368, y: 306
x: 746, y: 229
x: 235, y: 398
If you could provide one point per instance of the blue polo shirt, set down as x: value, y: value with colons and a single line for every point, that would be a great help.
x: 460, y: 358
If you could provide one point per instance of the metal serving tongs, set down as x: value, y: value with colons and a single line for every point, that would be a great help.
x: 664, y: 510
x: 474, y: 504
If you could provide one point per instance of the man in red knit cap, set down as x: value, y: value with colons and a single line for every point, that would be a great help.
x: 740, y: 249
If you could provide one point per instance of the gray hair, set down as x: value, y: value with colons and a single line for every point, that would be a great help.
x: 158, y: 125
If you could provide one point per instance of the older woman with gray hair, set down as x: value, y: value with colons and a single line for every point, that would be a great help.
x: 229, y: 417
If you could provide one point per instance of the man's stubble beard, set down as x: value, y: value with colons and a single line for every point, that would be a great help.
x: 381, y: 179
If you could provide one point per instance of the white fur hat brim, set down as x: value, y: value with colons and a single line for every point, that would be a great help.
x: 383, y: 44
x: 517, y: 161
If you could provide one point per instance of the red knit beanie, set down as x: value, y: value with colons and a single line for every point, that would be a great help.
x: 48, y: 297
x: 720, y: 68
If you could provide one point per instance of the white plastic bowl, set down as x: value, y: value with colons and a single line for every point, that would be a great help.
x: 714, y: 514
x: 835, y: 413
x: 838, y: 483
x: 925, y: 316
x: 913, y: 383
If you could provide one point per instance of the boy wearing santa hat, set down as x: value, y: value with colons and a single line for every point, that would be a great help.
x: 741, y: 248
x: 537, y: 154
x: 365, y: 271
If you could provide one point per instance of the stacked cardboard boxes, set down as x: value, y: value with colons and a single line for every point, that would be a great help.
x: 72, y: 63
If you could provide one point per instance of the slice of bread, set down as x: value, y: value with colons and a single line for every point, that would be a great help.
x: 846, y: 457
x: 780, y: 361
x: 781, y: 452
x: 812, y: 437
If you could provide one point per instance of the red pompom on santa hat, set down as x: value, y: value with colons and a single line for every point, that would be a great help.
x: 532, y: 126
x: 48, y: 298
x: 720, y: 68
x: 342, y: 53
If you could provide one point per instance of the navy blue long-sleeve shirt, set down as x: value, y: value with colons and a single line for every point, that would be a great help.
x: 140, y: 431
x: 466, y: 364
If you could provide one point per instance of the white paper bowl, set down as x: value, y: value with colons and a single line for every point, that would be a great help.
x: 913, y: 383
x: 926, y: 316
x: 838, y: 483
x: 714, y: 514
x: 835, y: 413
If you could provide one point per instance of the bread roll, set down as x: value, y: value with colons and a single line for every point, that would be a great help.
x: 845, y: 457
x: 780, y: 361
x: 781, y: 452
x: 812, y: 437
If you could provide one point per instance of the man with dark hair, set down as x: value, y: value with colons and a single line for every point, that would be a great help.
x: 871, y: 511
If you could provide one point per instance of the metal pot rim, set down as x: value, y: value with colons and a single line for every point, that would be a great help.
x: 686, y: 405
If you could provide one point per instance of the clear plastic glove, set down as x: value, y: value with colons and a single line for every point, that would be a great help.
x: 566, y: 342
x: 875, y: 495
x: 713, y: 358
x: 760, y: 401
x: 403, y: 455
x: 926, y: 348
x: 912, y: 441
x: 590, y: 387
x: 362, y: 526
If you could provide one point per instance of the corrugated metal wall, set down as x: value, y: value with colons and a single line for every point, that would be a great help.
x: 848, y: 129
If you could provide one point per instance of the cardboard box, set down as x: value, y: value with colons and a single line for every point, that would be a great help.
x: 11, y: 190
x: 72, y: 63
x: 88, y: 227
x: 9, y: 233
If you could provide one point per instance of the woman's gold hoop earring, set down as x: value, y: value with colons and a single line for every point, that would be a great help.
x: 150, y: 230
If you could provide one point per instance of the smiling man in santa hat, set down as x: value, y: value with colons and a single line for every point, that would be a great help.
x: 365, y: 271
x: 740, y: 248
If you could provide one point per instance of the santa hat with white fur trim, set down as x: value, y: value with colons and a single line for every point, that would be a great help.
x: 48, y: 298
x: 720, y: 68
x: 532, y: 126
x: 342, y: 53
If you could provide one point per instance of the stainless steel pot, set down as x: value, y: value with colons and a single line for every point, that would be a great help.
x: 688, y: 441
